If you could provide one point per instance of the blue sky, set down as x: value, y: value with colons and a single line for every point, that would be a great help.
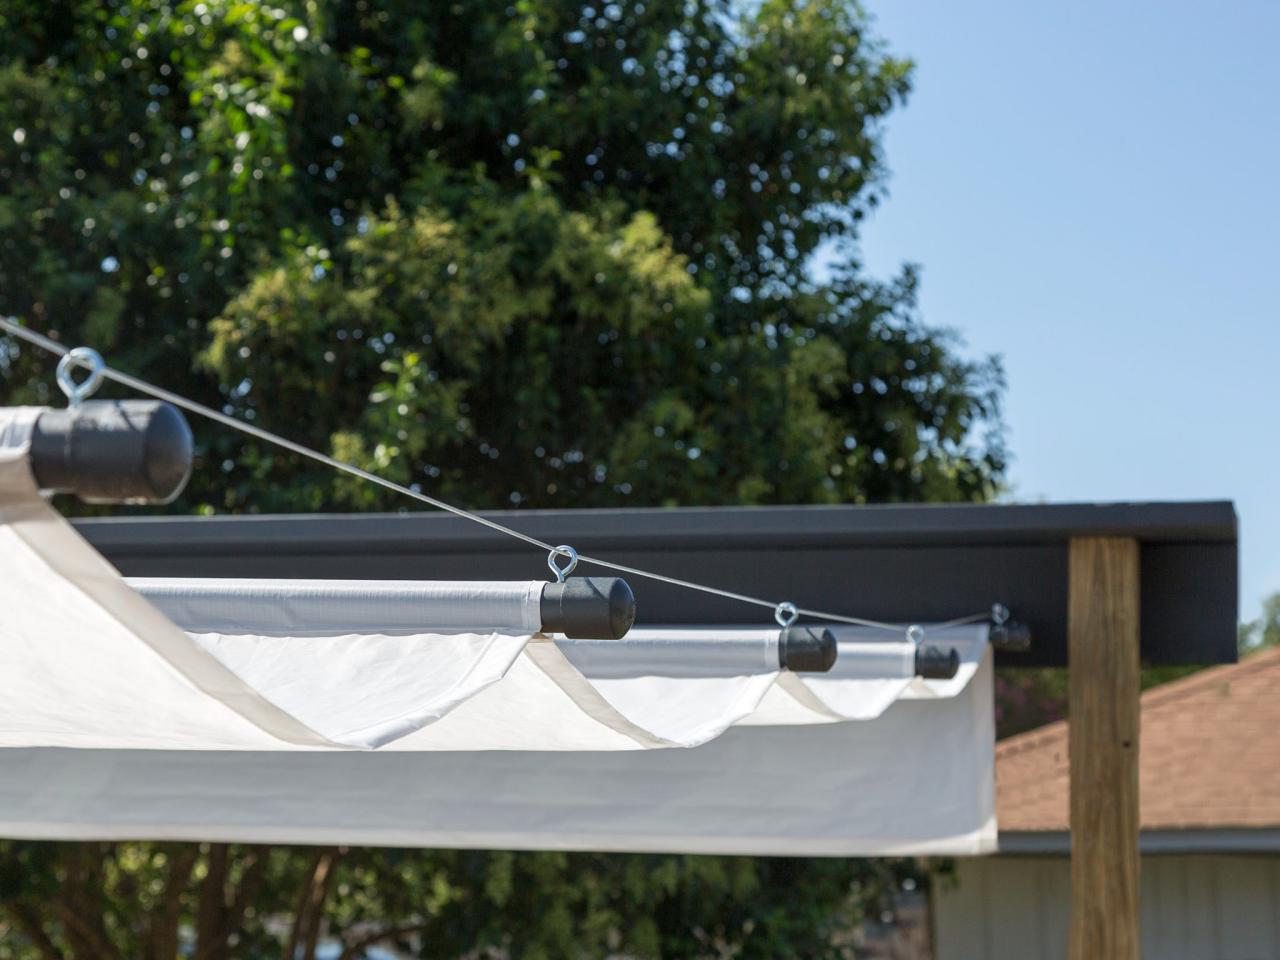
x: 1093, y: 192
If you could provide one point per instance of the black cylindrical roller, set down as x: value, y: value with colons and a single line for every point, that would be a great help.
x: 804, y: 650
x: 1013, y: 637
x: 589, y: 608
x: 113, y: 451
x: 936, y: 663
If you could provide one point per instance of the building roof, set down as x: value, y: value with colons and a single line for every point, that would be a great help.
x: 1209, y: 757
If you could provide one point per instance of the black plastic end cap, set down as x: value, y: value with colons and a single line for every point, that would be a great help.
x: 803, y: 650
x: 1012, y: 637
x: 589, y: 608
x: 113, y: 451
x: 935, y: 663
x: 169, y: 450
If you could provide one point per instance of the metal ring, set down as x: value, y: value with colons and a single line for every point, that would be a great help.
x: 915, y: 634
x: 564, y: 550
x: 786, y: 614
x: 80, y: 357
x: 999, y: 614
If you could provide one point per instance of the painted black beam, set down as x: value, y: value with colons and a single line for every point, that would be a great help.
x: 883, y: 562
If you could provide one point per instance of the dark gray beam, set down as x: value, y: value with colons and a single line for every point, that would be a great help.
x: 883, y: 562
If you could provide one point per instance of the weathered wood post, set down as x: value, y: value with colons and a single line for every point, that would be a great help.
x: 1104, y: 688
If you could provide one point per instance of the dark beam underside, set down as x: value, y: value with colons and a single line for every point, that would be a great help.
x: 886, y: 562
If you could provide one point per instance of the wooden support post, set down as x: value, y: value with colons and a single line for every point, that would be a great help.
x: 1104, y: 681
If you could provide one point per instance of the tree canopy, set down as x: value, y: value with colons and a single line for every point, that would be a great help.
x: 1264, y: 632
x: 534, y: 255
x: 527, y: 254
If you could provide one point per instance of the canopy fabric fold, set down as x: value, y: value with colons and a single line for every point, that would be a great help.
x: 436, y: 714
x: 92, y: 661
x: 918, y: 780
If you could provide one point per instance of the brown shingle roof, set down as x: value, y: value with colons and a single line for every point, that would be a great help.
x: 1210, y: 756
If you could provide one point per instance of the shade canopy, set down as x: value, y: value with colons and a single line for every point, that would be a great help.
x: 917, y: 780
x: 429, y: 713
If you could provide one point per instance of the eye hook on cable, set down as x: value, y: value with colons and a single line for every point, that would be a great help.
x: 786, y: 614
x: 78, y: 392
x: 564, y: 550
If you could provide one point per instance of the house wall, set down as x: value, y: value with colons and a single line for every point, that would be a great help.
x: 1194, y: 907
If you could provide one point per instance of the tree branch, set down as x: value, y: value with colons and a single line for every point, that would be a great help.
x: 28, y: 918
x: 90, y: 939
x: 320, y: 887
x: 257, y: 858
x: 311, y: 896
x: 80, y: 904
x: 212, y: 902
x: 213, y: 942
x: 162, y: 933
x: 353, y: 949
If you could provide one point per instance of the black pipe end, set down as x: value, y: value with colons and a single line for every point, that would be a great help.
x: 113, y: 451
x: 935, y: 663
x: 1011, y: 637
x: 803, y: 650
x: 589, y: 608
x: 169, y: 448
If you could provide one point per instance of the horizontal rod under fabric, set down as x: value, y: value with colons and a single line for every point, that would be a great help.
x: 736, y: 651
x: 112, y: 451
x: 680, y: 652
x: 582, y: 607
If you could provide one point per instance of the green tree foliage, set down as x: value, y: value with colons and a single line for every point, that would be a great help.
x: 541, y: 254
x: 537, y: 253
x: 153, y: 900
x: 1264, y: 632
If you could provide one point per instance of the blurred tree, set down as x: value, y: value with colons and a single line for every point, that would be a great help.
x: 1264, y: 632
x: 536, y: 254
x: 125, y: 901
x: 542, y: 254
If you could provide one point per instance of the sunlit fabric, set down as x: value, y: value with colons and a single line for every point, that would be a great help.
x: 437, y: 714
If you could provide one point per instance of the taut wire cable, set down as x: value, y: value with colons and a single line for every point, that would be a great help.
x: 9, y: 325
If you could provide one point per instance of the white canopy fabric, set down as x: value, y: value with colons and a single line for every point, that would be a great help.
x: 917, y: 780
x: 256, y: 710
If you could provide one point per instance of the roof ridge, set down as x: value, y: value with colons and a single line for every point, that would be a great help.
x: 1155, y: 697
x: 1207, y: 759
x: 1177, y: 689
